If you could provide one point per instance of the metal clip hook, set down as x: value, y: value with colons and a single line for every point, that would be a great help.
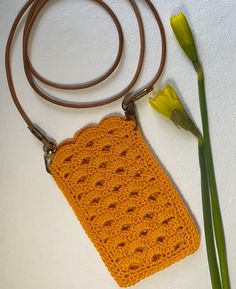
x: 49, y: 146
x: 48, y: 157
x: 128, y: 104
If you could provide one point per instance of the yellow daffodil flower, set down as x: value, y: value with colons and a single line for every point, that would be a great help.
x: 167, y: 103
x: 184, y: 35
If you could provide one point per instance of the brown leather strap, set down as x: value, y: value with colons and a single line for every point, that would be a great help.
x: 34, y: 7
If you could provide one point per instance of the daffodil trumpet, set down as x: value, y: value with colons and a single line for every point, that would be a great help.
x: 185, y: 38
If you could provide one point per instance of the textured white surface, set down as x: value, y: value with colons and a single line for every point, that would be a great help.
x: 42, y: 245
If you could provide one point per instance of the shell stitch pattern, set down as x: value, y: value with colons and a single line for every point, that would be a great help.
x: 124, y: 200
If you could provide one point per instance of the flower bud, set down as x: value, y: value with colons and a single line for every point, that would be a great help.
x: 184, y: 35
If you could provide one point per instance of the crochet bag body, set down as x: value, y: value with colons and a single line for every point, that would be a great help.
x: 124, y: 200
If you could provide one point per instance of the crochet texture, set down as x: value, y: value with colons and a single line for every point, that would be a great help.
x: 124, y: 200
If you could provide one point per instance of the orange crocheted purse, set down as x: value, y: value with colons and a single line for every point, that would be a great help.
x: 124, y: 200
x: 120, y: 193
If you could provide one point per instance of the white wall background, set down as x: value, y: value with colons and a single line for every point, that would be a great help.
x: 42, y: 245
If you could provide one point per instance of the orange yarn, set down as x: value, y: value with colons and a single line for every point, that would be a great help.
x: 124, y: 200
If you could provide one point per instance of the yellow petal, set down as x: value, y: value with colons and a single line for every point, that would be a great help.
x: 161, y: 107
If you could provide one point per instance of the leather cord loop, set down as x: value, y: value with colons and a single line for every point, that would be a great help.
x: 34, y: 7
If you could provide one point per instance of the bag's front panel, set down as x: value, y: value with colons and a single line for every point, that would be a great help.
x: 124, y: 200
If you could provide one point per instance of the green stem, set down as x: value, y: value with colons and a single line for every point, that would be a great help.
x: 207, y: 217
x: 216, y: 212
